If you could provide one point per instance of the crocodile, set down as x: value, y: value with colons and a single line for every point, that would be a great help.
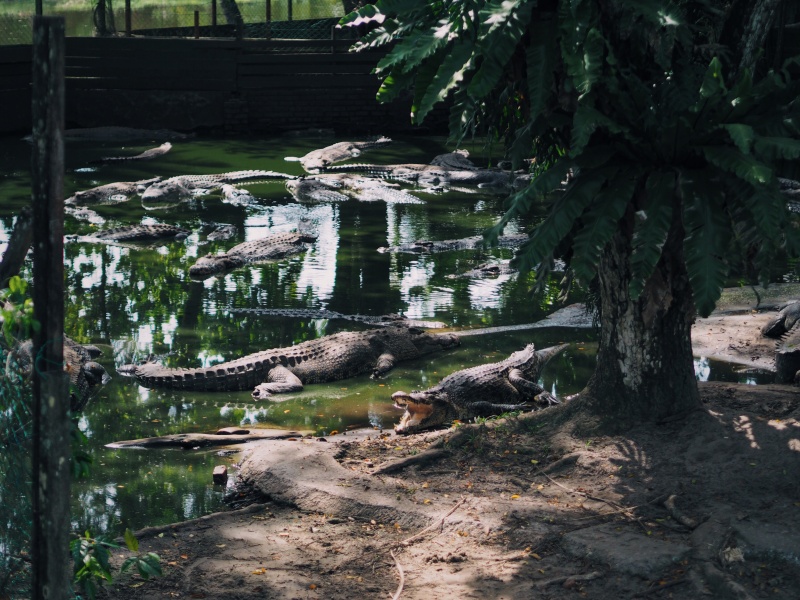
x: 430, y: 175
x: 137, y: 233
x: 787, y: 356
x: 329, y: 358
x: 222, y: 233
x: 315, y: 161
x: 146, y: 155
x: 781, y: 323
x: 486, y: 270
x: 182, y: 187
x: 271, y: 247
x: 341, y: 186
x: 111, y: 193
x: 322, y: 313
x: 480, y: 391
x: 85, y: 374
x: 469, y: 243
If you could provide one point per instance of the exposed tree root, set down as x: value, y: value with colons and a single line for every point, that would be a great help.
x: 570, y: 581
x: 676, y: 513
x: 422, y: 458
x: 439, y: 523
x: 402, y: 576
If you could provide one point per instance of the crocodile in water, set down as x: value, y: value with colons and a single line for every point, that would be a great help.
x: 480, y: 391
x: 271, y: 247
x: 111, y: 193
x: 138, y: 233
x: 470, y: 243
x: 315, y: 161
x: 342, y: 186
x: 146, y: 155
x: 321, y: 313
x: 182, y: 187
x: 329, y: 358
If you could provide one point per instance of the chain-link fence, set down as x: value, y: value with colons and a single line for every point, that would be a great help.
x: 279, y: 19
x: 16, y: 513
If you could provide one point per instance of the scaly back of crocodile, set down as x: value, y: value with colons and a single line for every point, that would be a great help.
x: 325, y: 359
x: 134, y: 233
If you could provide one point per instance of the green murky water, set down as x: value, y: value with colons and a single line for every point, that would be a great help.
x: 133, y: 302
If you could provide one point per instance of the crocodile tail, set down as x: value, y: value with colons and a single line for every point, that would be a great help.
x: 547, y: 353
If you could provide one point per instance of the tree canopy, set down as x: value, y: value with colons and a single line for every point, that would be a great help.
x: 656, y: 148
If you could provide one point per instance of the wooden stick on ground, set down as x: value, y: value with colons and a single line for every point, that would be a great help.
x: 402, y: 576
x: 570, y: 580
x: 439, y: 523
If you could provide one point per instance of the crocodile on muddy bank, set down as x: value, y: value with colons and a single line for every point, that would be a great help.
x: 480, y: 391
x: 329, y: 358
x: 271, y: 247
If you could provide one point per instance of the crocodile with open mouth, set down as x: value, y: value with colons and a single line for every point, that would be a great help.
x: 480, y: 391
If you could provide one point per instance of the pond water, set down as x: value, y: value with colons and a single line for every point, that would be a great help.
x: 133, y: 302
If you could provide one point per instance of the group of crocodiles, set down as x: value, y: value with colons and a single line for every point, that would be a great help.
x: 332, y: 357
x: 478, y: 391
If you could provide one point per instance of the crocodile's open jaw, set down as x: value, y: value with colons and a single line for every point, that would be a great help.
x: 416, y: 412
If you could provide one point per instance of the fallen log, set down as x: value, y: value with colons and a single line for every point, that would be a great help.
x: 205, y: 440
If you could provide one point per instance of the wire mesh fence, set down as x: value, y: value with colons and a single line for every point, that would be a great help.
x: 16, y: 513
x: 279, y: 19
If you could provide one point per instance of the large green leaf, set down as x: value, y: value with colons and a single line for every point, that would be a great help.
x: 742, y: 165
x: 423, y: 85
x: 393, y: 86
x: 650, y: 229
x: 540, y: 64
x: 706, y: 241
x: 585, y: 121
x: 449, y: 75
x: 601, y: 222
x: 499, y: 42
x: 713, y: 83
x: 777, y: 148
x: 567, y: 208
x: 742, y: 136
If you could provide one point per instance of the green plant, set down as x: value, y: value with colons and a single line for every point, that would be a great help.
x: 91, y: 556
x: 656, y: 152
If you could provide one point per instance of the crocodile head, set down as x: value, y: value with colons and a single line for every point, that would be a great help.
x: 433, y: 342
x: 213, y: 264
x: 171, y: 190
x: 423, y: 410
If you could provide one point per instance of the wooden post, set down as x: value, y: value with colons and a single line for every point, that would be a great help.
x: 290, y: 10
x: 38, y: 8
x: 51, y: 424
x: 196, y: 24
x: 127, y: 18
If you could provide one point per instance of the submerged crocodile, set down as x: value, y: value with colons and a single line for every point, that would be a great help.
x: 182, y: 187
x: 315, y: 161
x: 322, y: 313
x: 342, y: 186
x: 431, y: 175
x: 138, y: 233
x: 111, y: 193
x: 469, y: 243
x: 271, y: 247
x: 480, y: 391
x: 329, y: 358
x: 486, y: 270
x: 85, y: 374
x: 146, y: 155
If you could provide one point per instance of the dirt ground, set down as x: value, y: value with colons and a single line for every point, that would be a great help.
x: 523, y: 507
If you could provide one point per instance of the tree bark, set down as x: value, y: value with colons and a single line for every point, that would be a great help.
x: 645, y: 370
x: 18, y: 246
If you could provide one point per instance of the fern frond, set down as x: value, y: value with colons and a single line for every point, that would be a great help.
x: 706, y: 240
x: 450, y: 74
x: 499, y: 43
x: 650, y: 229
x: 565, y: 211
x: 601, y: 222
x: 540, y: 64
x: 393, y: 86
x: 742, y: 165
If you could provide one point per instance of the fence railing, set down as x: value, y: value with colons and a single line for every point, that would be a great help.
x: 266, y: 19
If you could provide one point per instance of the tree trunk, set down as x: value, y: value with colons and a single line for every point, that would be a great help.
x: 645, y: 371
x: 18, y: 246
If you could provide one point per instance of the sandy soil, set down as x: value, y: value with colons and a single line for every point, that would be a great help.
x: 516, y: 508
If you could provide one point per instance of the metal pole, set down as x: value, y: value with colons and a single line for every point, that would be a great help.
x: 213, y: 17
x: 269, y: 19
x: 127, y: 18
x: 38, y: 8
x: 51, y: 423
x: 290, y: 10
x: 196, y: 24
